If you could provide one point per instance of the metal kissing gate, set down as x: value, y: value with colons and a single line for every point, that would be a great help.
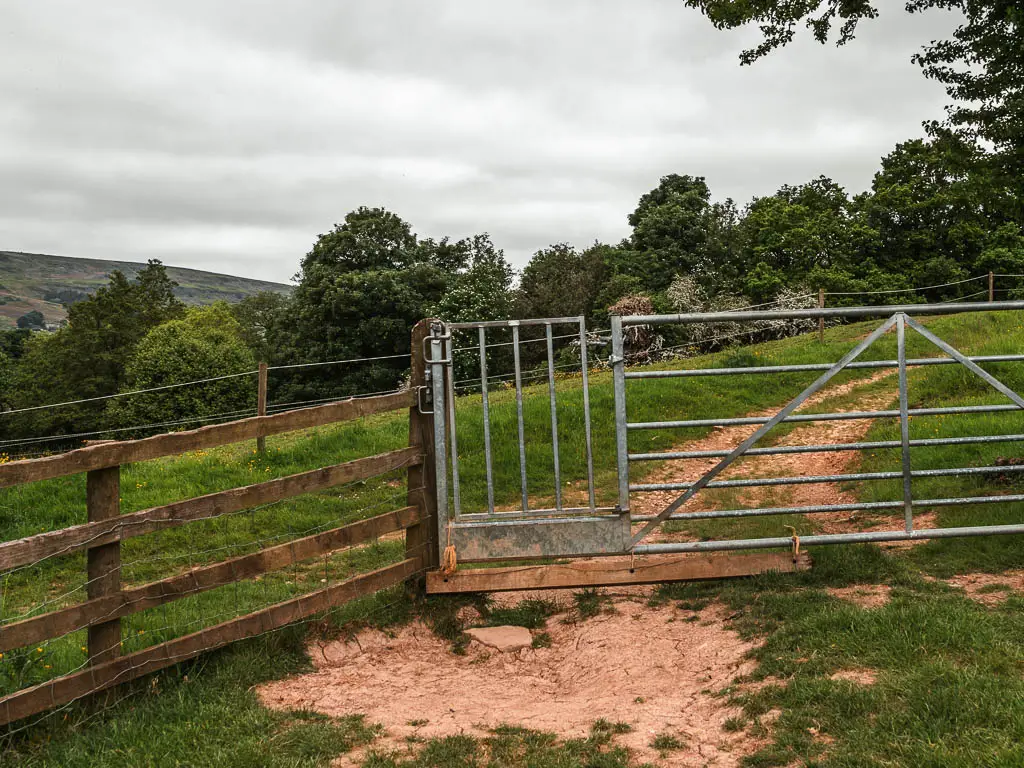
x: 561, y: 529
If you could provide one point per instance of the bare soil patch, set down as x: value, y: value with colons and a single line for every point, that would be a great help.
x: 989, y: 588
x: 656, y: 669
x: 862, y: 676
x: 864, y: 595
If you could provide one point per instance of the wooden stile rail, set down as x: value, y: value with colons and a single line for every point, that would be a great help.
x: 114, y: 454
x: 34, y: 548
x: 108, y: 601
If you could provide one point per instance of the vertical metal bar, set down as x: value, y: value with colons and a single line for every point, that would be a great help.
x: 618, y: 363
x: 554, y: 416
x: 586, y: 413
x: 452, y: 438
x: 901, y: 355
x: 440, y: 442
x: 821, y: 320
x: 487, y: 420
x: 519, y: 412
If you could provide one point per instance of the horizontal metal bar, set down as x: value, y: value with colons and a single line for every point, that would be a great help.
x: 511, y: 323
x: 803, y: 417
x: 686, y: 373
x: 827, y: 539
x: 809, y: 314
x: 714, y: 514
x: 828, y: 447
x: 812, y: 479
x: 499, y: 516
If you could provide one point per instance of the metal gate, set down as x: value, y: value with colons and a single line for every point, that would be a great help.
x: 563, y: 530
x: 524, y: 530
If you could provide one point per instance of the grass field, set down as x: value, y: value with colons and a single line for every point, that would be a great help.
x: 949, y: 690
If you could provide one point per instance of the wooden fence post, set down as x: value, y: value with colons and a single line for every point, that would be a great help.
x: 421, y: 539
x: 261, y: 404
x: 821, y: 320
x: 991, y: 287
x: 103, y: 500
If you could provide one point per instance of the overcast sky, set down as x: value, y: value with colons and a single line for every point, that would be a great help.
x: 227, y: 135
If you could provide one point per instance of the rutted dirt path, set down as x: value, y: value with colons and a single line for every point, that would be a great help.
x: 796, y: 464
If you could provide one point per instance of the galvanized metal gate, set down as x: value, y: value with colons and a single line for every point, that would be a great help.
x: 564, y: 531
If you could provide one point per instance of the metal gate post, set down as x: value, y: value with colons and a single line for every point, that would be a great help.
x: 901, y: 361
x: 618, y: 363
x: 436, y: 363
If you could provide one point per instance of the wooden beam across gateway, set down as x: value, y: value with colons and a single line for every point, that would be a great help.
x: 616, y: 571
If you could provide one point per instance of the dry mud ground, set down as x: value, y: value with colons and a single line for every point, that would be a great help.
x: 653, y: 668
x: 657, y: 669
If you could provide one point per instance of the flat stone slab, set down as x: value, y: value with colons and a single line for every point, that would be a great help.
x: 502, y: 638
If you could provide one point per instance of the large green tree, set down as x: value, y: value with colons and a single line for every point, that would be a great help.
x: 671, y: 228
x: 799, y: 229
x: 360, y: 290
x: 87, y: 358
x: 206, y: 343
x: 562, y: 281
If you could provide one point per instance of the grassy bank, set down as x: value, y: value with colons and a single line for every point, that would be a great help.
x: 205, y: 713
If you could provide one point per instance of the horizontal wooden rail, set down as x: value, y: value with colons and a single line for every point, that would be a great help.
x: 607, y: 572
x: 172, y: 443
x: 45, y: 626
x: 71, y: 687
x: 33, y: 548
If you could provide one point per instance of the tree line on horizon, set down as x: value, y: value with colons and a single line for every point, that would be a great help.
x: 940, y: 209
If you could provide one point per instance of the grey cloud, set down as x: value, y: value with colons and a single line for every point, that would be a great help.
x: 227, y: 135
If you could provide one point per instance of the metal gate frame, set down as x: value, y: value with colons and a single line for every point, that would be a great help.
x: 528, y: 533
x: 523, y: 533
x: 899, y: 317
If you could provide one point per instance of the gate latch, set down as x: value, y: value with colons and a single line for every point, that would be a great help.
x: 424, y: 393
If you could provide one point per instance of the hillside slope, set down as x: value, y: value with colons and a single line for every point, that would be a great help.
x: 39, y: 281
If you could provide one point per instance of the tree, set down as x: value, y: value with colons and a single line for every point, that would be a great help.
x: 934, y: 209
x: 980, y: 66
x: 33, y: 320
x: 482, y: 290
x: 206, y: 343
x: 87, y: 358
x: 6, y: 378
x: 670, y: 232
x: 360, y: 290
x: 370, y: 239
x: 797, y: 230
x: 256, y: 315
x: 561, y: 281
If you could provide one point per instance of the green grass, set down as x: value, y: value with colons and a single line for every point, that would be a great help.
x: 508, y: 746
x: 948, y: 691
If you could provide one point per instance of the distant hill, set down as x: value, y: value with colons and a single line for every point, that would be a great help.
x: 37, y: 281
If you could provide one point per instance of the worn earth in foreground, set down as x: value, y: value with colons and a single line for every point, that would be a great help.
x: 654, y: 668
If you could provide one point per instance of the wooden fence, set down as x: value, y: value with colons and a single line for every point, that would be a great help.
x: 108, y: 601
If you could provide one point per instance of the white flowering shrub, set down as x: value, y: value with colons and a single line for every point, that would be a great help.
x: 686, y: 296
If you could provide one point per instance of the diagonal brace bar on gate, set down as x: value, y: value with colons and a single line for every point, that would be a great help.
x: 966, y: 361
x: 767, y: 426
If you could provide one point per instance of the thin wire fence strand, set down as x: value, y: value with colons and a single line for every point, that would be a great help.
x: 127, y: 394
x: 910, y: 290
